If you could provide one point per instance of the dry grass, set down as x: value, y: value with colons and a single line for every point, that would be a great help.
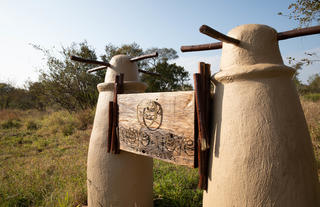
x: 43, y: 160
x: 44, y: 163
x: 312, y: 113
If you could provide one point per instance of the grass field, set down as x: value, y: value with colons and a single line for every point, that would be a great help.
x: 43, y: 160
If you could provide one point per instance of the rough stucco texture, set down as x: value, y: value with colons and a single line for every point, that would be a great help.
x: 124, y: 179
x: 262, y: 153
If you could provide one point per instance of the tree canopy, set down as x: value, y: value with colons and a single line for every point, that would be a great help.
x: 172, y: 78
x: 66, y: 84
x: 306, y: 12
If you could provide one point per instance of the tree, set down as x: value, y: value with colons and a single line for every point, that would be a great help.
x: 6, y: 91
x: 306, y: 12
x: 132, y: 50
x: 37, y: 93
x: 11, y: 97
x: 173, y: 77
x: 301, y: 88
x: 66, y: 83
x: 164, y: 55
x: 314, y: 83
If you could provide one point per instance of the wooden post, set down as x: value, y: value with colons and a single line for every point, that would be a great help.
x: 113, y: 137
x: 202, y: 97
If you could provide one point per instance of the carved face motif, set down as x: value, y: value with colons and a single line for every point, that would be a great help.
x: 149, y: 114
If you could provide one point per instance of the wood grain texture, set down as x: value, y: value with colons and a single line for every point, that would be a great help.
x: 158, y: 125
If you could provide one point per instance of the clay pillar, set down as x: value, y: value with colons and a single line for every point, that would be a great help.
x: 123, y: 179
x: 262, y: 153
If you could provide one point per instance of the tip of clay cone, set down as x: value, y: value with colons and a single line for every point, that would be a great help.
x: 122, y: 64
x: 258, y: 44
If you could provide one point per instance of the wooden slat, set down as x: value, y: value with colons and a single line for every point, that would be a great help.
x: 194, y: 48
x: 112, y: 137
x: 110, y: 126
x: 202, y: 97
x: 142, y: 57
x: 158, y: 125
x: 205, y: 29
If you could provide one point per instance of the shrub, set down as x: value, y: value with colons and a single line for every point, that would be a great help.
x: 10, y: 114
x: 59, y: 122
x: 85, y: 118
x: 312, y: 97
x: 32, y: 125
x: 11, y: 123
x: 68, y: 128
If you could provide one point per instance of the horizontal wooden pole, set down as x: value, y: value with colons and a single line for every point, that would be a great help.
x: 280, y: 36
x: 106, y: 64
x: 83, y: 60
x: 105, y: 67
x: 149, y: 73
x: 193, y: 48
x: 205, y: 29
x: 298, y: 32
x: 142, y: 57
x: 97, y: 69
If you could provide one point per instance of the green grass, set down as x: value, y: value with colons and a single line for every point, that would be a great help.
x: 43, y: 161
x: 42, y: 166
x: 175, y: 185
x: 312, y: 97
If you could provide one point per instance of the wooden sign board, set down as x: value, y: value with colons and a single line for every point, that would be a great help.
x: 158, y: 125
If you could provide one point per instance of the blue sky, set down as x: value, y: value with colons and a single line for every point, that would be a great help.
x: 165, y: 23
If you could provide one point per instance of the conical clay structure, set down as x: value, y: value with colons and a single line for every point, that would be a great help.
x: 262, y: 153
x: 124, y: 179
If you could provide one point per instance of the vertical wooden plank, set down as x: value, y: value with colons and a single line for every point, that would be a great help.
x: 202, y: 94
x: 118, y: 88
x: 195, y: 135
x: 208, y: 123
x: 197, y: 85
x: 110, y: 126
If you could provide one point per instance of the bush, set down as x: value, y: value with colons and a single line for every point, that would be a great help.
x: 11, y: 123
x: 10, y: 114
x: 32, y: 125
x: 85, y: 118
x: 59, y: 122
x: 312, y: 97
x: 68, y: 128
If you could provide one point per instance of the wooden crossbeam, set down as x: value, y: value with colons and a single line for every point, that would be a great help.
x: 224, y: 38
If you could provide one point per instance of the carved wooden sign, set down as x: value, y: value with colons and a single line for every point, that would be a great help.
x: 158, y: 125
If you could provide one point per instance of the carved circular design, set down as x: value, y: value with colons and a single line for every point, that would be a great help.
x: 149, y: 114
x: 188, y: 147
x: 144, y: 138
